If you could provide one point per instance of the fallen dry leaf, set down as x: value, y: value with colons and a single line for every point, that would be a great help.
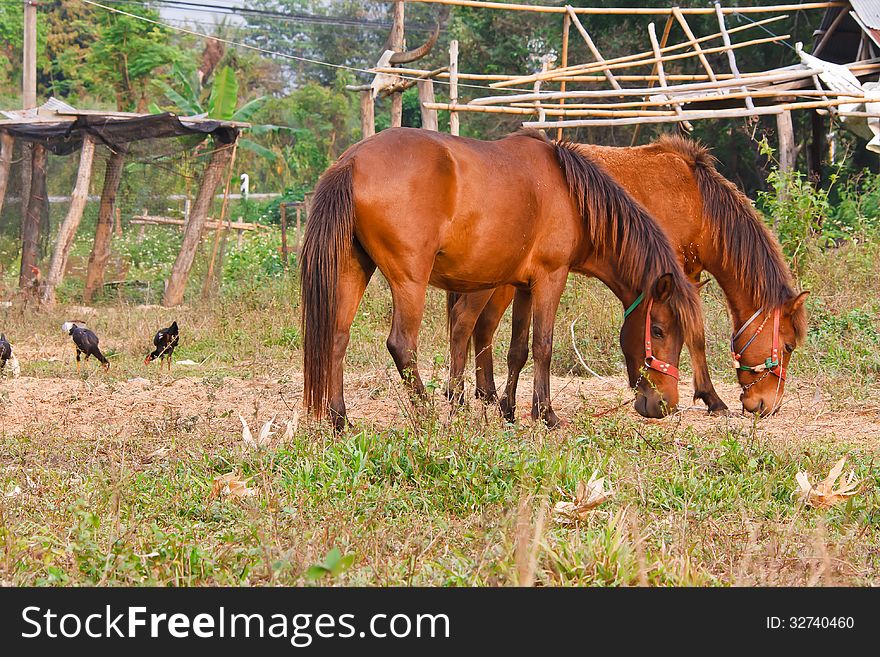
x: 823, y: 495
x: 587, y: 498
x: 229, y: 485
x: 263, y: 438
x: 292, y: 426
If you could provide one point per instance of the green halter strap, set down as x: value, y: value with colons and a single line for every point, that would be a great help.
x: 634, y: 305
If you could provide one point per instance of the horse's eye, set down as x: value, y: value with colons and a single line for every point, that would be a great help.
x: 656, y: 331
x: 789, y: 348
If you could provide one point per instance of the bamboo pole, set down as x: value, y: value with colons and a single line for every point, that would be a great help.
x: 632, y: 11
x: 453, y: 86
x: 592, y: 68
x: 663, y: 40
x: 444, y: 74
x: 676, y: 11
x: 591, y: 45
x: 831, y: 29
x: 731, y: 57
x: 566, y: 28
x: 647, y: 53
x: 784, y: 93
x: 655, y: 46
x: 67, y: 231
x: 791, y: 75
x: 708, y: 114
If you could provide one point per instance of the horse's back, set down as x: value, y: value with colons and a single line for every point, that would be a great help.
x: 463, y: 205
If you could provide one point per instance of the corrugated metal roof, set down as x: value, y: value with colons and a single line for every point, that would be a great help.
x: 868, y: 11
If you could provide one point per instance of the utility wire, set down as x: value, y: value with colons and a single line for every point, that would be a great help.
x: 266, y: 51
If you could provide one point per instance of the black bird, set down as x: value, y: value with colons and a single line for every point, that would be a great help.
x: 7, y: 355
x: 86, y: 343
x: 165, y: 341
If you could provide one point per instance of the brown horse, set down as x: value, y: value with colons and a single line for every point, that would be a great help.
x: 713, y: 227
x: 468, y: 216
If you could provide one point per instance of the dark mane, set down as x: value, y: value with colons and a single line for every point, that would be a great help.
x: 746, y: 244
x: 616, y: 222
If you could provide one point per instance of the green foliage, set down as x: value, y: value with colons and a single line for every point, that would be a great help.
x: 334, y: 564
x: 223, y: 99
x: 126, y: 55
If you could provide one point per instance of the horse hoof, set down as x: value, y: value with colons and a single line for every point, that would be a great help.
x: 719, y: 410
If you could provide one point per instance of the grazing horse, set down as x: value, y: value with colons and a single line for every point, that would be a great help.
x: 468, y: 216
x: 713, y: 227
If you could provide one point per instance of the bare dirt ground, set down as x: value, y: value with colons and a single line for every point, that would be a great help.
x: 96, y: 406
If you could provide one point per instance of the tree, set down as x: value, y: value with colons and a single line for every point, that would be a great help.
x: 126, y: 55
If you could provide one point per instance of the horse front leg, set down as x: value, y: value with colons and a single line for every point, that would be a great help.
x: 353, y: 278
x: 484, y: 336
x: 545, y: 302
x: 518, y: 353
x: 462, y: 320
x: 703, y: 387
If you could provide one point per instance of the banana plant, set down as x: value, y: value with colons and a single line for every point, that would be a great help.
x: 221, y: 104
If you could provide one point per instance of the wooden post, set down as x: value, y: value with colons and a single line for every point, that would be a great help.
x: 817, y: 139
x: 6, y: 146
x: 71, y: 222
x: 221, y: 230
x: 118, y: 214
x: 30, y: 229
x: 426, y: 95
x: 453, y: 86
x: 103, y: 229
x: 566, y: 25
x: 29, y: 56
x: 368, y: 115
x: 787, y: 149
x: 299, y: 227
x: 283, y: 209
x: 397, y: 44
x: 193, y: 233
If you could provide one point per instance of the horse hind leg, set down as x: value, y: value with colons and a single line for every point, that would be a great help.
x: 409, y: 306
x: 353, y: 278
x: 484, y: 336
x: 518, y: 353
x: 462, y: 321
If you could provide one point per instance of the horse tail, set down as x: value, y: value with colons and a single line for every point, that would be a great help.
x: 617, y: 222
x: 326, y: 244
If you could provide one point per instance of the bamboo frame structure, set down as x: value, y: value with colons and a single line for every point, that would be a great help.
x: 669, y: 93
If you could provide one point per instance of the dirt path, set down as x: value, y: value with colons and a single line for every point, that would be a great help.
x: 95, y: 407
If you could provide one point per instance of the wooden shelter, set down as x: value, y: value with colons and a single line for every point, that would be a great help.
x: 58, y: 128
x: 678, y: 82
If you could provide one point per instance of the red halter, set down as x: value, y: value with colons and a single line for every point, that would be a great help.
x: 773, y: 365
x: 650, y: 361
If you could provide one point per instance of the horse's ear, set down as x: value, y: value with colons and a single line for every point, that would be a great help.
x: 795, y: 304
x: 662, y: 288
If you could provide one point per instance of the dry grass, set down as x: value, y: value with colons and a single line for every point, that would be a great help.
x: 107, y: 478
